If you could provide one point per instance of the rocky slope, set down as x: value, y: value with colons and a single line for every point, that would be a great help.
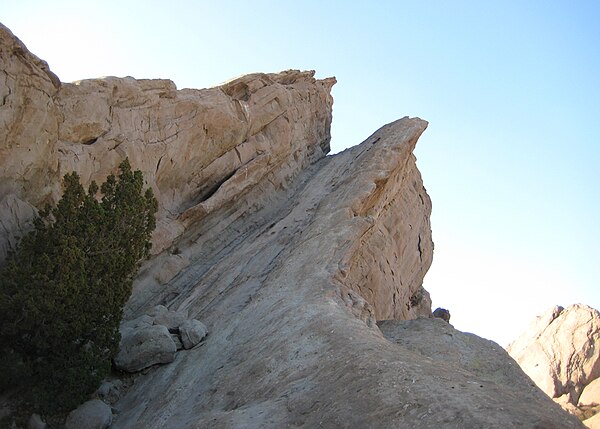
x: 289, y: 257
x: 560, y: 352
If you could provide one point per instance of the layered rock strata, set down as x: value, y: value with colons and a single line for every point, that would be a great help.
x: 294, y: 340
x: 288, y: 256
x: 197, y: 149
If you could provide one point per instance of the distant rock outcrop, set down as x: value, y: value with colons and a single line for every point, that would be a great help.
x: 288, y: 256
x: 561, y: 352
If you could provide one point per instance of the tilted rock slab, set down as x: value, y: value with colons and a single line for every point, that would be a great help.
x: 144, y: 346
x: 288, y: 256
x: 294, y: 341
x: 560, y: 352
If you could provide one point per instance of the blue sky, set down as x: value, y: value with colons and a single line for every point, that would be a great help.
x: 511, y: 90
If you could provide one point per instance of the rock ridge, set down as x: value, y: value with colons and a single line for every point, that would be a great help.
x: 294, y: 341
x: 196, y: 148
x: 290, y: 257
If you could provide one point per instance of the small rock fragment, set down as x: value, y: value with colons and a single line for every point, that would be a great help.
x: 442, y: 313
x: 192, y: 331
x: 171, y: 319
x: 110, y: 390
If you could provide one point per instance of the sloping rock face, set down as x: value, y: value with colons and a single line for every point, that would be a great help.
x: 293, y: 340
x: 560, y: 352
x: 289, y: 257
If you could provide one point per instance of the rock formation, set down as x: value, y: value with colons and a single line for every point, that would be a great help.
x: 189, y: 144
x: 560, y: 352
x: 289, y: 257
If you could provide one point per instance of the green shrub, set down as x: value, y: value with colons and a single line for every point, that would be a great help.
x: 62, y: 292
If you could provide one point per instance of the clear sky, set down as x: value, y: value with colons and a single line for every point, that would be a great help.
x: 511, y: 89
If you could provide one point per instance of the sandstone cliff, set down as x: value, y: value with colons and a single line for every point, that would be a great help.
x: 560, y: 352
x: 188, y: 143
x: 288, y: 256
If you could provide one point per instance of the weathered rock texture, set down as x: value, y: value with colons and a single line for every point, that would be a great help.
x: 197, y: 149
x: 288, y: 256
x: 560, y: 352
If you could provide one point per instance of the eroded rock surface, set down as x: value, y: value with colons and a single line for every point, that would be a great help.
x: 197, y: 149
x: 289, y: 257
x: 293, y: 338
x: 559, y: 351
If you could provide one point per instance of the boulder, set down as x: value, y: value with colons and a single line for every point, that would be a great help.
x: 161, y: 315
x: 93, y: 414
x: 192, y: 331
x: 143, y: 347
x: 110, y: 390
x: 443, y: 314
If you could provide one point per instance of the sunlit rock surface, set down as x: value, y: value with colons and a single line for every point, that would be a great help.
x: 288, y: 256
x: 560, y: 351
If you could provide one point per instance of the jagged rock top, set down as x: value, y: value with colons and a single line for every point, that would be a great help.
x: 196, y: 148
x: 12, y: 46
